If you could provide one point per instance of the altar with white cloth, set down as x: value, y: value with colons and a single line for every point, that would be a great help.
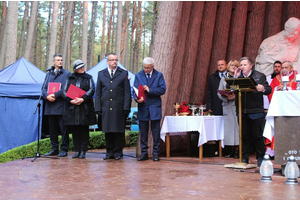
x: 209, y: 128
x: 283, y: 122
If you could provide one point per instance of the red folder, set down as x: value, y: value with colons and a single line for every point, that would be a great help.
x: 225, y: 92
x: 75, y: 92
x: 140, y: 92
x: 53, y: 87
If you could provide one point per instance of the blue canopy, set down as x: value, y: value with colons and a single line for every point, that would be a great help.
x: 20, y: 87
x: 102, y: 65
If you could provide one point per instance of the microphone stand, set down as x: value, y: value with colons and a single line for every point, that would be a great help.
x: 38, y: 106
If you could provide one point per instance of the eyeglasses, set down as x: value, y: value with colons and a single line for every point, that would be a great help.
x: 147, y: 68
x: 113, y: 60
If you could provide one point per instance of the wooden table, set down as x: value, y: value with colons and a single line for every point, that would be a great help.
x: 209, y: 128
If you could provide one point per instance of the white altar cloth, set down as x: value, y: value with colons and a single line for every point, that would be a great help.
x: 209, y: 127
x: 283, y: 103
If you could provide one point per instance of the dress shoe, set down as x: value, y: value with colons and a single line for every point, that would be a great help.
x: 76, y: 155
x: 62, y: 154
x: 259, y: 161
x: 236, y: 154
x: 82, y: 155
x: 108, y: 157
x: 244, y: 160
x: 117, y: 157
x: 52, y: 153
x: 143, y: 157
x: 155, y: 158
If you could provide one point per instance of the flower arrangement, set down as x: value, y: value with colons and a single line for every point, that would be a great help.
x: 184, y: 108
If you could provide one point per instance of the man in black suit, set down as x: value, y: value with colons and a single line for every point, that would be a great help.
x: 113, y: 102
x: 213, y: 102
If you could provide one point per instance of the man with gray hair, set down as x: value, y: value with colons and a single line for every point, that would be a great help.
x: 277, y: 84
x: 149, y: 109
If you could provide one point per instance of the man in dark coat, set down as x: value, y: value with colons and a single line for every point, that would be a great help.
x: 113, y: 102
x: 54, y: 107
x: 149, y: 109
x: 253, y: 116
x: 213, y: 102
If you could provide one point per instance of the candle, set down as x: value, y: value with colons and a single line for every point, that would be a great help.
x: 298, y: 77
x: 285, y: 79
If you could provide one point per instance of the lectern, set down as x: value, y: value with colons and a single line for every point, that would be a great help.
x: 241, y: 85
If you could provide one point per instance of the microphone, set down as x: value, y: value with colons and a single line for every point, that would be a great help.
x: 237, y: 72
x: 51, y: 68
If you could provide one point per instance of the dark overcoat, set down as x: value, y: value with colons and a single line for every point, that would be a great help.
x: 213, y: 102
x: 84, y: 113
x: 151, y: 108
x: 56, y: 107
x: 112, y: 98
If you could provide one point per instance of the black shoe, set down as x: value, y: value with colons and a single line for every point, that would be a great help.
x: 259, y: 161
x: 155, y: 158
x: 117, y: 157
x: 236, y: 154
x: 62, y: 154
x: 76, y: 155
x: 143, y: 157
x: 82, y: 155
x: 244, y: 160
x: 52, y: 153
x: 108, y: 157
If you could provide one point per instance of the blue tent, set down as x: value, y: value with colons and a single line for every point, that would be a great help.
x: 102, y: 65
x: 20, y: 88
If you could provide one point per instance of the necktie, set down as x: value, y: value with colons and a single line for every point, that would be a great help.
x: 148, y: 79
x: 222, y: 75
x: 112, y: 73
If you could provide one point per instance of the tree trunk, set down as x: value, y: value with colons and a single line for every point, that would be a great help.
x: 34, y: 51
x: 103, y: 32
x: 31, y: 28
x: 52, y: 42
x: 119, y: 30
x: 124, y: 41
x: 113, y: 27
x: 220, y: 34
x: 154, y: 26
x: 11, y: 31
x: 48, y: 32
x: 190, y: 55
x: 61, y: 28
x: 92, y: 36
x: 133, y: 26
x: 66, y: 34
x: 139, y: 37
x: 255, y: 28
x: 84, y: 32
x: 273, y: 18
x: 109, y: 31
x: 237, y: 31
x: 21, y: 45
x: 2, y: 34
x: 71, y: 37
x: 166, y: 44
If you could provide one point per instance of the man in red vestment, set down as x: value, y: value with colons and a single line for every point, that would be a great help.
x: 277, y: 84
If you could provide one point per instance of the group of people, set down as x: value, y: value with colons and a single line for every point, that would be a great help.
x: 112, y: 105
x: 254, y: 104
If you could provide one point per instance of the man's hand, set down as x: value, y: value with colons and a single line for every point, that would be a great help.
x: 51, y: 97
x: 260, y: 88
x: 140, y: 100
x: 279, y: 87
x: 146, y: 88
x: 231, y: 96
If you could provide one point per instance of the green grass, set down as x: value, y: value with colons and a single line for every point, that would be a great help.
x: 97, y: 141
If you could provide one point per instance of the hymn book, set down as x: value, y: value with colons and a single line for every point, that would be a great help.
x: 53, y: 87
x: 75, y: 92
x: 139, y: 93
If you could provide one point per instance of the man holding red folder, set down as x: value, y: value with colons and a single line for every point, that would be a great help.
x: 113, y: 102
x: 54, y: 107
x: 149, y: 108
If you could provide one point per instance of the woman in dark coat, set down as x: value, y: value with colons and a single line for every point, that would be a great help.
x: 79, y: 112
